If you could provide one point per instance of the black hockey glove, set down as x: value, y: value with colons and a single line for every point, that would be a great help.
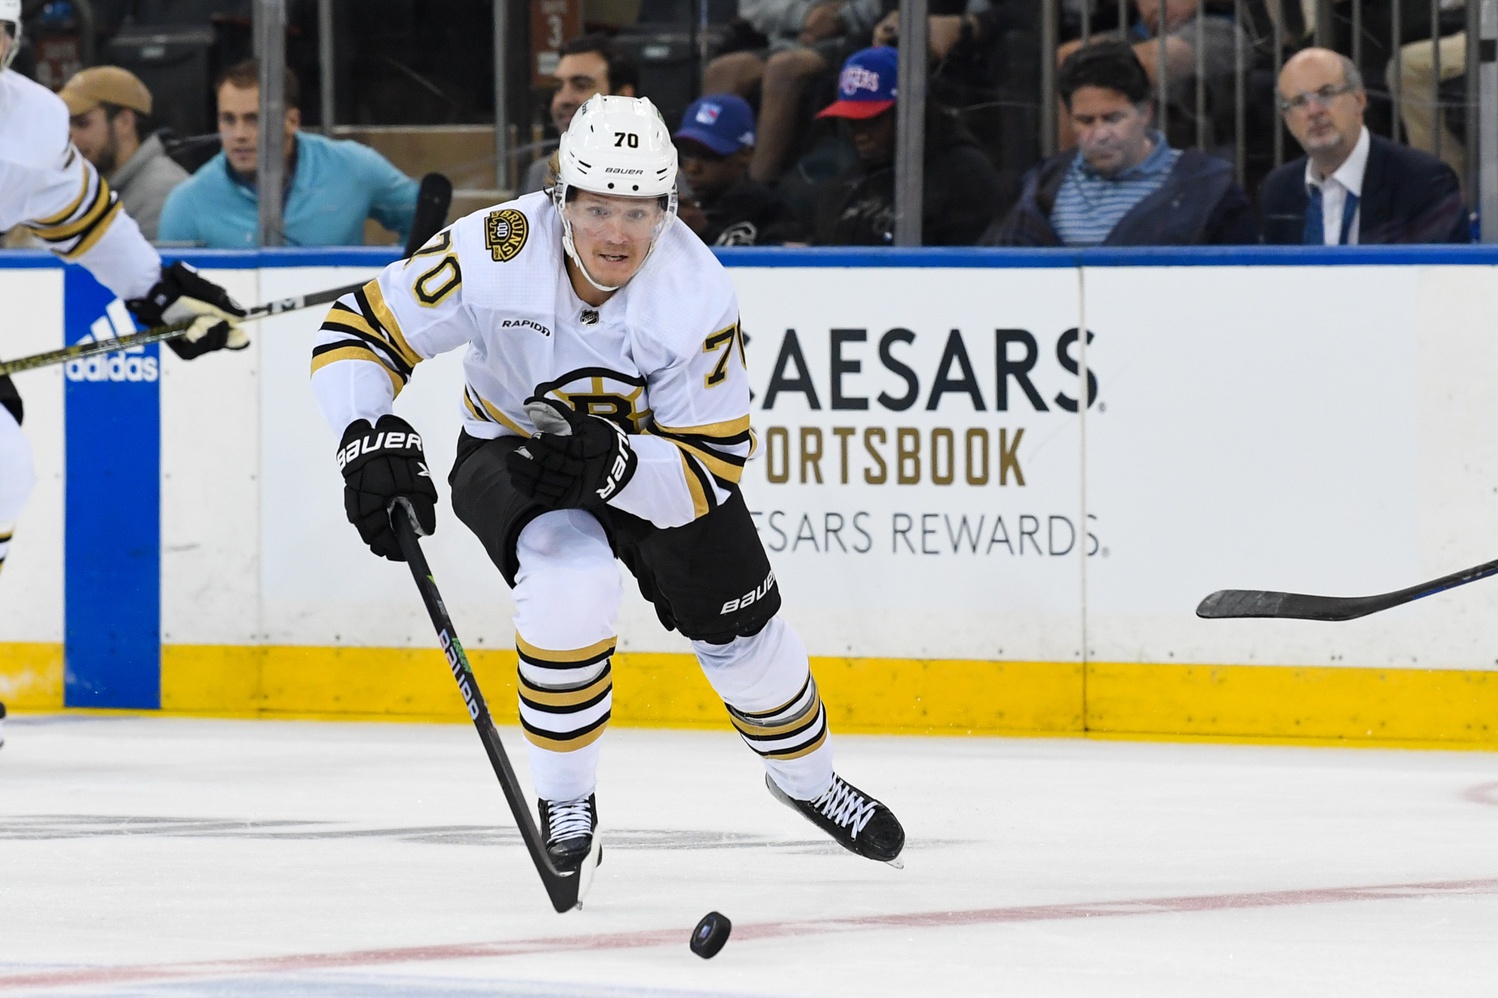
x: 183, y: 294
x: 574, y: 460
x: 379, y: 464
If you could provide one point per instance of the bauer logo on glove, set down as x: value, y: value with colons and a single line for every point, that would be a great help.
x: 382, y: 463
x: 574, y: 460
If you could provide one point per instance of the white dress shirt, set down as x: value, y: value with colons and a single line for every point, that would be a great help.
x: 1347, y: 177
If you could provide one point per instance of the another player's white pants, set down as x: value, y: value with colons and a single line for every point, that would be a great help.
x: 567, y: 596
x: 17, y: 477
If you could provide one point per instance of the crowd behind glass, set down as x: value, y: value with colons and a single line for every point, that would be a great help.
x: 1177, y: 122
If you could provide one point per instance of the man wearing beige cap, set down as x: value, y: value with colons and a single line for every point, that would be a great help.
x: 109, y: 109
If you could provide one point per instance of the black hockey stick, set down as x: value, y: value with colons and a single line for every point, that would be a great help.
x: 1259, y: 603
x: 159, y: 333
x: 432, y: 201
x: 566, y: 890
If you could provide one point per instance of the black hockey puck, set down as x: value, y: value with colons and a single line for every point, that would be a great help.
x: 710, y: 935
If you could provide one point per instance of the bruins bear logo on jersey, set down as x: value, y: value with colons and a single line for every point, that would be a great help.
x: 505, y: 231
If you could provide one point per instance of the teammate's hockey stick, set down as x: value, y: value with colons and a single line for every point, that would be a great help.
x: 566, y: 890
x: 432, y: 200
x: 159, y: 333
x: 1259, y: 603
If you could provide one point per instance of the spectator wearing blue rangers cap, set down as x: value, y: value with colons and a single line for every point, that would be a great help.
x: 716, y: 143
x: 962, y: 192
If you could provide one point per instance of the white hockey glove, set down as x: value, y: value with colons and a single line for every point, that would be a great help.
x: 183, y: 294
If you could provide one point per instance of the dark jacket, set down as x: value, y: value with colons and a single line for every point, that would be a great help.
x: 1199, y: 204
x: 962, y: 194
x: 750, y: 214
x: 1409, y: 196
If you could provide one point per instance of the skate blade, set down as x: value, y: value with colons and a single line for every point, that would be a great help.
x: 590, y: 865
x: 895, y: 863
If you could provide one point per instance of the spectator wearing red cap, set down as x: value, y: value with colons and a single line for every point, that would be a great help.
x: 962, y: 192
x: 715, y: 144
x: 109, y: 112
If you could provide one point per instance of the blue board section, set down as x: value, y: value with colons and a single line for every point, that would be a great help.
x: 112, y: 593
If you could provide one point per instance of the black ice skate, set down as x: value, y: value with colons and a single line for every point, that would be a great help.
x: 856, y: 821
x: 568, y: 826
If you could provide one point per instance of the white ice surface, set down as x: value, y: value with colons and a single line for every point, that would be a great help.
x: 161, y: 856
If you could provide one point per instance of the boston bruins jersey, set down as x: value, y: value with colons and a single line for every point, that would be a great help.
x: 663, y: 357
x: 47, y: 186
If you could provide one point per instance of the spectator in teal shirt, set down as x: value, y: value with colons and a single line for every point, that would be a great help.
x: 331, y: 186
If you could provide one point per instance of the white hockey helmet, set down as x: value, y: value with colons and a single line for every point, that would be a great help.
x: 615, y: 146
x: 10, y: 22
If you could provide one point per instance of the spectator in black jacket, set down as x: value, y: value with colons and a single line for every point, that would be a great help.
x: 1124, y: 185
x: 716, y: 144
x: 962, y: 193
x: 1352, y: 187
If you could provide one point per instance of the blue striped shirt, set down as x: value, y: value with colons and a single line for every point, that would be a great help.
x: 1089, y: 205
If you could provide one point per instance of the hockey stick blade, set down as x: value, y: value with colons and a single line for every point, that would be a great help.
x: 80, y: 350
x: 565, y: 890
x: 1227, y: 603
x: 432, y: 201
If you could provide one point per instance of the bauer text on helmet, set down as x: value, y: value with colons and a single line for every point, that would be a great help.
x: 619, y: 151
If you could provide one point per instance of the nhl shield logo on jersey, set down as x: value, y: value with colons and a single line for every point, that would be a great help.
x: 505, y: 232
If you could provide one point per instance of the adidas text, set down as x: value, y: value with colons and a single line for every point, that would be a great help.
x: 113, y: 367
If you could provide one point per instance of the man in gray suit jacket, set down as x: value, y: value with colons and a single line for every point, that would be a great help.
x: 110, y: 109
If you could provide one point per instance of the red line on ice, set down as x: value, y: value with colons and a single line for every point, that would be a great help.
x: 765, y: 930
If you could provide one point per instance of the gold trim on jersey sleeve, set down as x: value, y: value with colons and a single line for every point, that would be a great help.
x: 92, y: 238
x: 390, y: 325
x: 725, y: 428
x: 58, y: 232
x: 66, y: 213
x: 345, y: 350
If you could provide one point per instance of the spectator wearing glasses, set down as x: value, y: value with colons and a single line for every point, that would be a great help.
x: 1352, y: 187
x: 716, y: 143
x: 1123, y: 185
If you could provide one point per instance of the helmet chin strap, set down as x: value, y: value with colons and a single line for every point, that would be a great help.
x: 571, y: 248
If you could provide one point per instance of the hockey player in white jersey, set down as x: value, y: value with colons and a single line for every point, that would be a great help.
x: 606, y: 414
x: 47, y: 186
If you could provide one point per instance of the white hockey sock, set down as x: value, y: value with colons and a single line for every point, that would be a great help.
x: 765, y: 680
x: 567, y: 596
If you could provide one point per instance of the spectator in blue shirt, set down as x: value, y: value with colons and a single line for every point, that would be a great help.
x: 1124, y: 185
x: 331, y: 186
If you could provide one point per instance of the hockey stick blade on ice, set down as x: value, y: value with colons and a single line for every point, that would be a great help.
x: 432, y: 201
x: 566, y: 890
x: 80, y: 350
x: 1261, y: 603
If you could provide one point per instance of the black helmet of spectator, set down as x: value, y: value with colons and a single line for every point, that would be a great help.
x: 1108, y: 65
